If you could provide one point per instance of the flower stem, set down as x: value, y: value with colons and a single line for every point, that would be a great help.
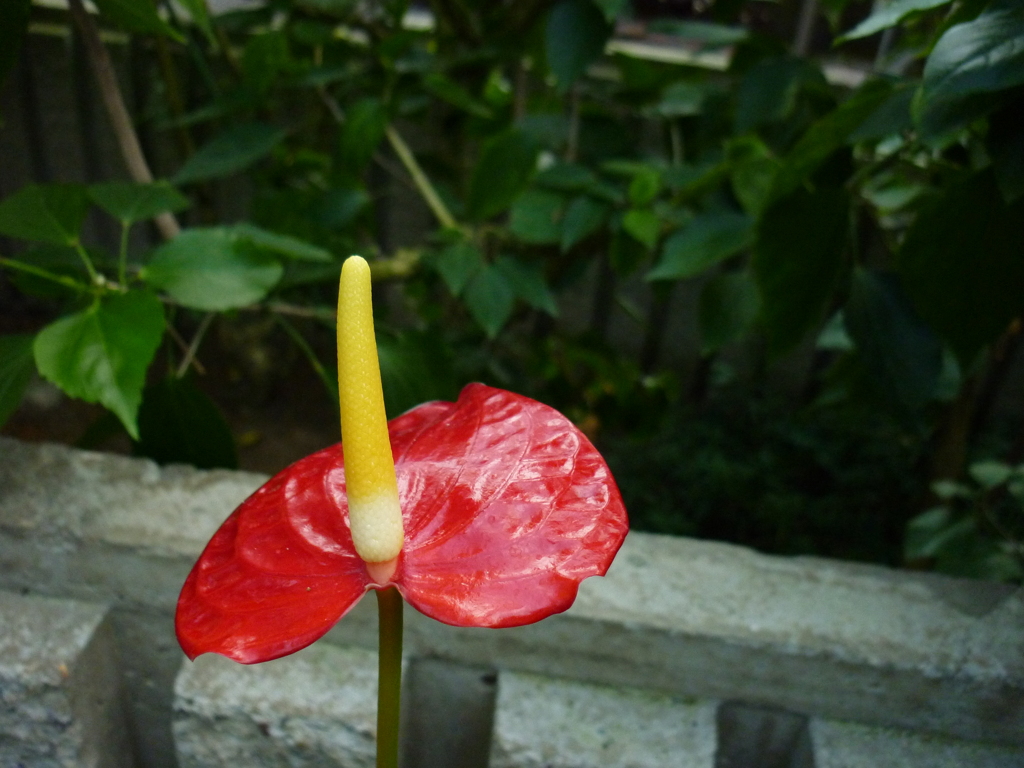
x: 389, y: 676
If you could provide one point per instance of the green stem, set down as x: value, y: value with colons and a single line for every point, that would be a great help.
x: 84, y: 256
x: 420, y: 179
x: 389, y: 676
x: 329, y: 382
x: 122, y: 254
x: 44, y: 273
x: 193, y: 348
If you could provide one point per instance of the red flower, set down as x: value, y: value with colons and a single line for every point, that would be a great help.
x: 507, y: 507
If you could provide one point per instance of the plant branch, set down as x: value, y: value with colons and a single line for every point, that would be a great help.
x: 183, y: 346
x: 21, y: 266
x: 573, y: 142
x: 124, y: 131
x: 805, y: 27
x: 84, y: 256
x: 190, y: 353
x: 329, y: 381
x: 332, y: 104
x: 401, y: 265
x: 174, y: 96
x: 420, y: 179
x: 122, y: 254
x: 283, y: 308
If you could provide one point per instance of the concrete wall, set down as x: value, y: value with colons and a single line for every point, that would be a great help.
x: 687, y: 647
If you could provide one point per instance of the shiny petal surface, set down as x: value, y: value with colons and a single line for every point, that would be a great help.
x: 279, y: 573
x: 506, y: 506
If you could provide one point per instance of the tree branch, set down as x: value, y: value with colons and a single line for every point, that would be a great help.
x: 120, y: 120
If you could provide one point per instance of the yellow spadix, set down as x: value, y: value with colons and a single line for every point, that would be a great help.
x: 374, y: 514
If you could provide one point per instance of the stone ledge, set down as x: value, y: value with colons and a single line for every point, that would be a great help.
x: 60, y: 704
x: 691, y: 618
x: 542, y: 722
x: 313, y: 709
x: 849, y: 745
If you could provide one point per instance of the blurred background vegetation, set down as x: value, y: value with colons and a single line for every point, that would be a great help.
x: 769, y: 256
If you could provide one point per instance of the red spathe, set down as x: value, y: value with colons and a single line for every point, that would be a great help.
x: 507, y: 508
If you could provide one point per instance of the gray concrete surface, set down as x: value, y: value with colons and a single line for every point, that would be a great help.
x: 849, y: 745
x: 544, y: 722
x: 60, y: 692
x: 314, y: 709
x: 690, y: 618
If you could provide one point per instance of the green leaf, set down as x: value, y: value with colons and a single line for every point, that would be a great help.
x: 612, y: 8
x: 682, y: 99
x: 707, y: 34
x: 230, y: 151
x: 137, y: 16
x: 644, y: 186
x: 962, y: 265
x: 927, y: 533
x: 941, y: 121
x: 527, y: 280
x: 890, y: 118
x: 798, y: 256
x: 212, y: 269
x: 179, y: 424
x: 450, y: 91
x: 704, y: 242
x: 535, y: 217
x: 200, y: 14
x: 728, y: 308
x: 958, y: 547
x: 644, y: 225
x: 986, y: 54
x: 339, y: 207
x: 567, y: 177
x: 12, y: 32
x: 415, y: 367
x: 902, y: 354
x: 968, y: 69
x: 889, y: 15
x: 129, y: 202
x: 283, y: 245
x: 365, y: 124
x: 101, y: 354
x: 504, y: 169
x: 768, y: 91
x: 583, y: 217
x: 457, y: 264
x: 752, y: 169
x: 265, y: 57
x: 827, y: 135
x: 576, y: 35
x: 490, y: 299
x: 47, y: 213
x: 990, y: 474
x: 16, y: 368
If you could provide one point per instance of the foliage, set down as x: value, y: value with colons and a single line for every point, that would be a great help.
x: 977, y: 529
x: 833, y: 481
x: 873, y: 226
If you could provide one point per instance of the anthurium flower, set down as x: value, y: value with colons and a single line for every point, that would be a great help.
x: 492, y: 512
x: 506, y: 507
